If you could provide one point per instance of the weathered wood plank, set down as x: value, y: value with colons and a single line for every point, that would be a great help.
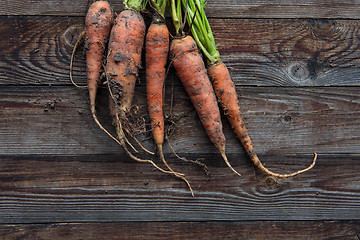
x: 47, y: 120
x: 257, y: 230
x: 49, y: 8
x: 103, y: 188
x: 37, y: 50
x: 217, y: 9
x: 290, y: 52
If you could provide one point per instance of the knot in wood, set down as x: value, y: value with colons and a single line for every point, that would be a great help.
x: 71, y: 34
x: 270, y: 182
x: 298, y: 71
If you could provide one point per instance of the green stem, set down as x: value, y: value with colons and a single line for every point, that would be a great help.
x: 136, y: 5
x: 202, y: 47
x: 200, y: 29
x: 176, y: 15
x: 160, y: 6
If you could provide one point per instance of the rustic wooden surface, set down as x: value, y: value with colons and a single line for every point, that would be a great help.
x: 187, y: 230
x: 296, y: 67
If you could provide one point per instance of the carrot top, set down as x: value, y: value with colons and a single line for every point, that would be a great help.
x: 160, y: 6
x: 200, y: 28
x: 136, y: 5
x: 176, y: 15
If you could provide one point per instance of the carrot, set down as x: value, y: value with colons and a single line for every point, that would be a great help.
x: 157, y: 50
x: 225, y: 91
x: 123, y: 62
x: 222, y: 83
x: 124, y: 55
x: 98, y: 22
x: 190, y: 68
x: 97, y: 30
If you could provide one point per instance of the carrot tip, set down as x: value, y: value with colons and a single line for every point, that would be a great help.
x: 162, y: 157
x: 176, y: 174
x: 228, y: 163
x: 270, y: 173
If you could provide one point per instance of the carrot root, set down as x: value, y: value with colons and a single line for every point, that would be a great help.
x: 122, y: 141
x: 196, y: 162
x: 139, y: 143
x: 162, y: 157
x: 223, y: 155
x: 176, y: 174
x: 267, y: 171
x: 81, y: 36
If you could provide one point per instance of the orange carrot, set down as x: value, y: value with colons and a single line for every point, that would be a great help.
x: 122, y: 66
x: 157, y: 50
x: 124, y: 56
x: 97, y: 30
x: 191, y: 70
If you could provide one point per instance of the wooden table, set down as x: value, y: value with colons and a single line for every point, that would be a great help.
x: 296, y: 67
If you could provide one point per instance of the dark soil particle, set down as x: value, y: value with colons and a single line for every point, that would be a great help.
x: 95, y: 19
x: 52, y: 105
x: 119, y: 57
x: 116, y: 90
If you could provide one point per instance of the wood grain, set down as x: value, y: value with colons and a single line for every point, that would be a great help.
x: 257, y: 230
x: 108, y: 188
x: 215, y: 8
x: 56, y: 120
x: 296, y: 67
x: 37, y: 50
x: 290, y: 52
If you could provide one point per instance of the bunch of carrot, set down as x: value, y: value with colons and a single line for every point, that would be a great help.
x: 124, y: 39
x: 222, y: 83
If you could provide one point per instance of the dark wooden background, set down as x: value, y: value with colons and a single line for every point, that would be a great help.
x: 296, y: 66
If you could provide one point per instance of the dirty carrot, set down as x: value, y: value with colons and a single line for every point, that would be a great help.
x: 124, y: 56
x: 123, y: 62
x: 98, y: 23
x: 222, y: 83
x: 157, y: 50
x: 190, y: 68
x: 97, y: 30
